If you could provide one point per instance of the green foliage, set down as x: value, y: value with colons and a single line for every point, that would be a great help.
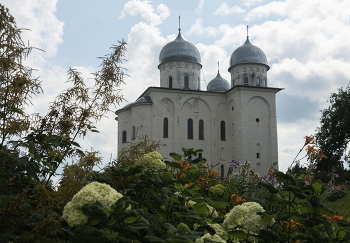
x: 333, y: 135
x: 30, y: 206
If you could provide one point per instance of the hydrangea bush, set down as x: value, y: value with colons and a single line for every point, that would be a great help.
x: 185, y: 200
x: 151, y: 162
x: 91, y: 193
x: 245, y: 217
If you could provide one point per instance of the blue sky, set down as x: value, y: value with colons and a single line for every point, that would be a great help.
x: 306, y: 43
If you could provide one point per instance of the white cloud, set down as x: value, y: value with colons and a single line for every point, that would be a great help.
x: 252, y: 2
x: 147, y: 11
x: 224, y: 10
x: 301, y: 10
x: 197, y: 28
x: 200, y: 6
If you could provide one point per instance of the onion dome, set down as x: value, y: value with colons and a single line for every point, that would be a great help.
x: 248, y: 53
x: 218, y: 84
x: 179, y: 50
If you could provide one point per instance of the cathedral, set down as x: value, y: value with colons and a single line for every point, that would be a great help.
x: 233, y: 120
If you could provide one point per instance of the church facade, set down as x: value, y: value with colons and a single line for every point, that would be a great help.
x: 233, y: 120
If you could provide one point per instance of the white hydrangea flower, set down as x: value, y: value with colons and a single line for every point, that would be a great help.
x: 219, y: 231
x: 91, y: 193
x: 151, y: 162
x: 244, y: 216
x: 215, y: 238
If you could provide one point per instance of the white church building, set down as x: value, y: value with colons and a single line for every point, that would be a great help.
x: 229, y: 120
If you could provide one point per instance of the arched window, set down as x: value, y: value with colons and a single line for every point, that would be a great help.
x: 222, y: 171
x: 186, y: 82
x: 124, y: 137
x: 222, y: 131
x: 165, y: 128
x: 170, y: 82
x: 190, y: 128
x: 245, y: 80
x: 258, y: 82
x: 201, y: 129
x: 133, y: 132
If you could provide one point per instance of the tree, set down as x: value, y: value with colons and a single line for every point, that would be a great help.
x: 33, y: 147
x: 16, y: 82
x: 333, y: 135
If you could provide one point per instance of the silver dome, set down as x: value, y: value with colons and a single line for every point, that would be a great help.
x: 179, y: 50
x: 218, y: 84
x: 248, y: 53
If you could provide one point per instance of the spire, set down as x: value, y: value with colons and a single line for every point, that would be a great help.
x: 247, y: 32
x: 218, y: 67
x: 179, y: 24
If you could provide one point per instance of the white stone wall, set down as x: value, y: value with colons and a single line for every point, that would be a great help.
x: 239, y: 108
x: 178, y: 70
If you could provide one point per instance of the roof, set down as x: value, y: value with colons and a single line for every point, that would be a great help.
x: 248, y: 53
x: 179, y: 50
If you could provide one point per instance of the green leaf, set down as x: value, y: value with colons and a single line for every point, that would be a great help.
x: 304, y: 208
x: 217, y: 204
x: 318, y: 235
x: 176, y: 156
x: 334, y: 196
x: 343, y: 223
x: 269, y: 187
x: 273, y: 200
x: 102, y: 178
x: 132, y: 219
x: 179, y: 239
x: 174, y: 165
x: 153, y: 239
x: 193, y: 190
x: 288, y: 216
x: 343, y: 235
x: 317, y: 187
x: 193, y: 214
x: 192, y: 170
x: 296, y: 192
x: 283, y: 178
x: 198, y: 161
x: 238, y: 234
x: 141, y: 223
x: 201, y: 208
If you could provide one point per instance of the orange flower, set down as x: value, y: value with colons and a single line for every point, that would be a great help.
x: 320, y: 154
x: 212, y: 173
x: 181, y: 174
x: 310, y: 149
x: 10, y: 179
x: 189, y: 184
x: 308, y: 179
x: 184, y: 165
x: 334, y: 218
x: 202, y: 181
x: 238, y: 198
x: 272, y: 171
x: 292, y: 224
x: 309, y: 140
